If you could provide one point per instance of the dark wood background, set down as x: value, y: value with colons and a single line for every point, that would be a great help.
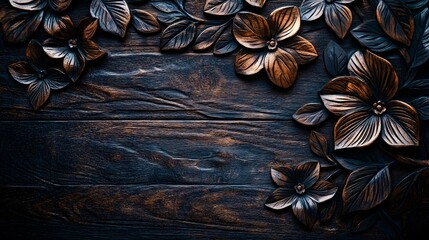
x: 157, y: 145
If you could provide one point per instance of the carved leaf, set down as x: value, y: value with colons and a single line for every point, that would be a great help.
x: 419, y: 49
x: 335, y: 59
x: 300, y: 48
x: 364, y: 221
x: 418, y: 87
x: 223, y: 7
x: 226, y: 43
x: 311, y: 114
x: 251, y: 30
x: 402, y: 193
x: 208, y: 37
x: 28, y: 5
x: 312, y: 9
x: 113, y: 15
x: 318, y: 144
x: 39, y: 92
x: 18, y: 26
x: 144, y: 21
x: 415, y: 4
x: 170, y: 13
x: 339, y: 18
x: 396, y: 20
x: 421, y: 104
x: 370, y: 35
x: 281, y: 68
x: 178, y: 36
x: 256, y: 3
x: 366, y: 187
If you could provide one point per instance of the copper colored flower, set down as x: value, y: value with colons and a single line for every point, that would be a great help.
x: 337, y: 15
x: 74, y: 45
x: 36, y: 73
x: 272, y: 45
x: 365, y: 103
x: 300, y: 188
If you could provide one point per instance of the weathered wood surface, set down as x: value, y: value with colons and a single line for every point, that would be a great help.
x: 151, y: 145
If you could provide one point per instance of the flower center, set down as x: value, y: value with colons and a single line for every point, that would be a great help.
x: 272, y: 44
x: 41, y: 74
x: 300, y: 188
x: 329, y: 1
x: 378, y: 108
x: 72, y: 43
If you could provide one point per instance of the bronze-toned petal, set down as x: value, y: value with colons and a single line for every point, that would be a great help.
x: 36, y: 56
x: 74, y: 64
x: 59, y: 5
x: 343, y: 95
x: 305, y: 209
x: 396, y: 20
x: 55, y: 48
x: 357, y: 129
x: 312, y: 9
x: 301, y: 49
x: 251, y: 30
x: 145, y: 22
x: 60, y: 27
x: 281, y: 68
x: 339, y: 18
x: 22, y: 72
x: 28, y: 5
x: 285, y: 22
x: 378, y: 73
x: 256, y: 3
x: 87, y: 27
x: 307, y: 173
x: 90, y: 50
x: 56, y: 79
x: 39, y: 92
x: 322, y: 191
x: 283, y: 176
x: 281, y: 198
x: 18, y: 26
x: 248, y: 62
x: 400, y: 125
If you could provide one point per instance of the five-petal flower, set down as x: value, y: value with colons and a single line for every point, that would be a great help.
x: 364, y: 101
x: 272, y: 45
x: 74, y: 45
x: 337, y: 15
x: 300, y: 187
x: 37, y: 75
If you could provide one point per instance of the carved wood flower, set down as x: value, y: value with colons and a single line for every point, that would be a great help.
x: 272, y: 45
x: 337, y: 15
x: 300, y: 187
x: 74, y: 45
x: 19, y: 25
x: 364, y: 101
x: 36, y: 73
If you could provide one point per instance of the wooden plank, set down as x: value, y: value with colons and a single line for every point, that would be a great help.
x: 147, y: 152
x: 168, y: 212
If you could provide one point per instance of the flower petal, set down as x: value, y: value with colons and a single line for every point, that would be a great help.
x: 400, y: 125
x: 343, y: 95
x: 74, y: 65
x: 59, y: 5
x: 285, y: 22
x: 312, y: 9
x: 281, y: 198
x: 378, y: 73
x: 339, y: 18
x: 18, y: 26
x: 283, y: 177
x: 56, y: 79
x: 28, y: 5
x: 251, y: 30
x: 305, y: 209
x: 39, y: 92
x: 301, y: 49
x: 322, y: 191
x: 60, y: 27
x: 90, y: 50
x: 256, y: 3
x: 22, y: 72
x: 55, y: 48
x: 87, y: 27
x: 36, y: 56
x: 281, y: 68
x: 249, y: 62
x: 356, y: 129
x: 307, y: 173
